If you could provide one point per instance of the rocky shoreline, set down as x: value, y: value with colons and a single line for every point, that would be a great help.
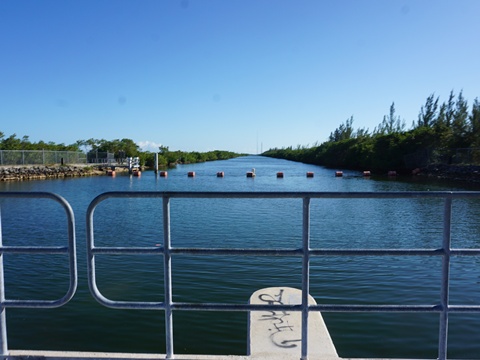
x: 460, y: 173
x: 41, y: 172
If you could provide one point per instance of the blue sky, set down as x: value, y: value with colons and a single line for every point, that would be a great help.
x: 238, y: 75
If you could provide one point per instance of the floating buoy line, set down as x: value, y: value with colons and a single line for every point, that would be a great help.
x: 135, y: 171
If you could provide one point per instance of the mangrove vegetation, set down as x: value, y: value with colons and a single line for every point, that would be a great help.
x: 444, y: 133
x: 121, y: 149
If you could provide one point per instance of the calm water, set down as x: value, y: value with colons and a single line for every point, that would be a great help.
x: 85, y: 325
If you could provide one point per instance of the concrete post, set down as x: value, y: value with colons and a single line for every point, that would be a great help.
x: 277, y: 334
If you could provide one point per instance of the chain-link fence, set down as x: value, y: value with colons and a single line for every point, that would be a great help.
x: 41, y: 157
x: 99, y: 157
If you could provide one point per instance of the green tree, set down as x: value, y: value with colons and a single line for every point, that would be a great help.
x: 126, y: 146
x: 450, y: 109
x: 474, y: 124
x: 460, y: 123
x: 343, y: 132
x: 391, y: 123
x: 11, y: 143
x: 427, y: 114
x: 163, y: 149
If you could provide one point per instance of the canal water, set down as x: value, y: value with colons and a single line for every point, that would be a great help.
x: 85, y: 325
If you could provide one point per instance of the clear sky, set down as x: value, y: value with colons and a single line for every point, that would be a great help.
x: 238, y: 75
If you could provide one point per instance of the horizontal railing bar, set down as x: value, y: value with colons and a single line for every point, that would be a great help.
x: 298, y: 307
x: 377, y: 252
x: 279, y: 195
x: 34, y: 249
x: 254, y: 252
x: 464, y: 308
x: 376, y: 308
x: 465, y: 252
x: 134, y: 305
x: 128, y: 250
x: 326, y: 308
x: 39, y: 304
x: 275, y: 252
x: 295, y: 307
x: 234, y: 307
x: 192, y: 251
x: 254, y: 307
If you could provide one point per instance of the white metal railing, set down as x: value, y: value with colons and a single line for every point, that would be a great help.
x: 168, y: 250
x: 443, y: 308
x: 68, y: 249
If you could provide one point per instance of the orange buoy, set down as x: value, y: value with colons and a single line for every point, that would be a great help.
x: 136, y: 172
x: 367, y: 173
x: 111, y: 172
x: 392, y: 173
x: 191, y: 174
x: 220, y: 174
x: 309, y: 174
x: 338, y: 173
x: 279, y: 174
x: 250, y: 174
x: 163, y: 173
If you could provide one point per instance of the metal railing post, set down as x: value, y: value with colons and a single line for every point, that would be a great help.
x: 3, y: 318
x: 444, y: 292
x: 305, y: 274
x: 167, y: 260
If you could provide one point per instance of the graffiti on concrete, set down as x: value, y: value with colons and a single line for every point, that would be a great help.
x: 282, y: 333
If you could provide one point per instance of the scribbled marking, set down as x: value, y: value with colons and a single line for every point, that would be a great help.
x: 282, y: 332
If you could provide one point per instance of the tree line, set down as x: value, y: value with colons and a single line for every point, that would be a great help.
x: 447, y: 132
x: 121, y: 148
x: 168, y: 157
x: 13, y: 143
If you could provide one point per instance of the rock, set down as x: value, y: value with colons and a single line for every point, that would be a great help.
x: 461, y: 173
x: 20, y: 173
